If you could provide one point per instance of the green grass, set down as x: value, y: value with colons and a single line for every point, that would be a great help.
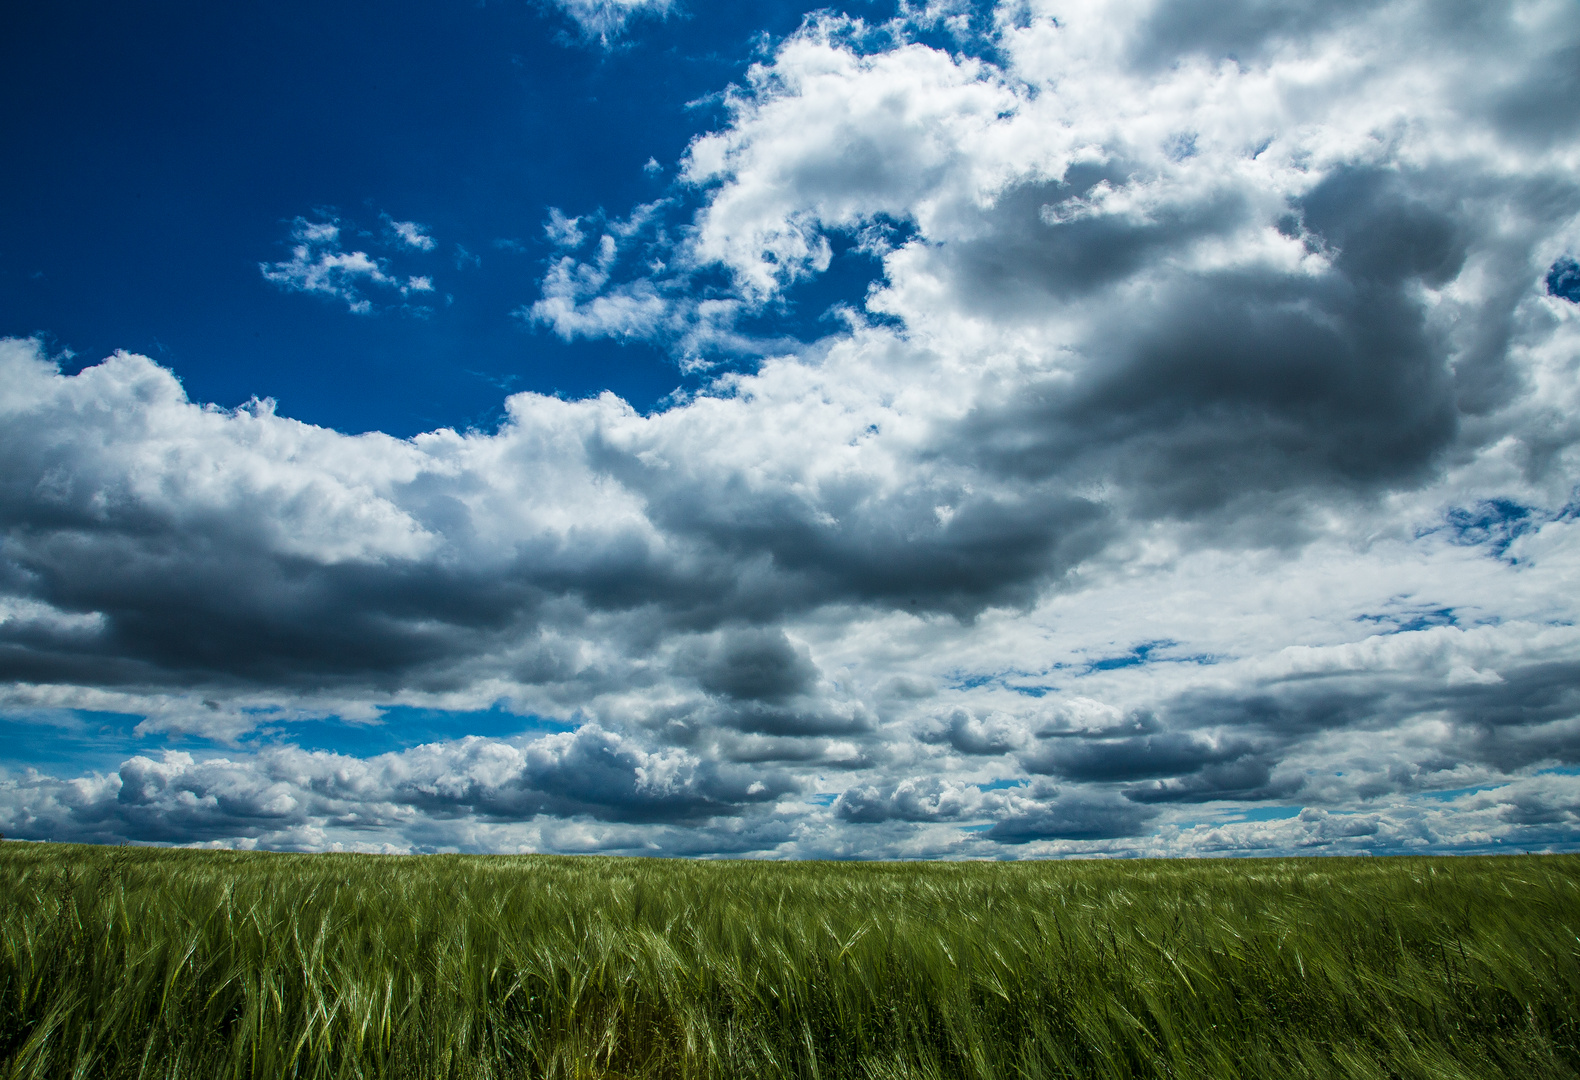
x: 141, y: 962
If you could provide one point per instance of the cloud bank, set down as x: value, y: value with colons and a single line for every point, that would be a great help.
x: 1196, y: 475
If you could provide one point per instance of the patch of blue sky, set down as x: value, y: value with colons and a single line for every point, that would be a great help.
x: 1408, y: 620
x: 973, y: 682
x: 1020, y: 682
x: 1560, y: 770
x: 1135, y: 658
x: 976, y: 828
x: 1450, y: 794
x: 1563, y: 279
x: 822, y: 798
x: 72, y: 741
x: 1001, y: 785
x: 1493, y: 524
x: 403, y: 727
x: 1032, y: 691
x: 1146, y: 653
x: 77, y: 740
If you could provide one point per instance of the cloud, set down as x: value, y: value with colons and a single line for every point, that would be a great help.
x: 319, y: 265
x: 583, y: 296
x: 576, y: 303
x: 605, y: 21
x: 564, y: 232
x: 913, y: 799
x: 1068, y: 816
x: 409, y: 233
x: 286, y: 791
x: 1539, y: 813
x: 1203, y: 448
x: 753, y: 665
x: 967, y: 734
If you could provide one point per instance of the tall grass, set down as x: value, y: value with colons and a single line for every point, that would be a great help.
x: 155, y: 963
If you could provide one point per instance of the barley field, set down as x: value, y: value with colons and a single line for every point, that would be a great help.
x: 140, y: 962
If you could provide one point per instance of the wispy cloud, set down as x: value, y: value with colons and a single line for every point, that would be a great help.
x: 319, y: 265
x: 562, y: 231
x: 409, y: 233
x: 605, y: 21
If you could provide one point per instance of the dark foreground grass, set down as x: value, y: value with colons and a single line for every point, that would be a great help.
x: 137, y: 962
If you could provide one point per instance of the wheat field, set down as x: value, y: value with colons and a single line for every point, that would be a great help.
x: 123, y: 962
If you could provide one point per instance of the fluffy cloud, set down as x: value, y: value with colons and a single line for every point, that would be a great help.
x: 284, y: 792
x: 1206, y: 443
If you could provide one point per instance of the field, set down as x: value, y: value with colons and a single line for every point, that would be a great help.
x: 140, y: 962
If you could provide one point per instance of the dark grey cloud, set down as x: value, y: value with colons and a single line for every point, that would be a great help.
x: 1247, y: 778
x: 1026, y: 255
x: 869, y: 547
x: 1250, y: 30
x: 753, y: 664
x: 1509, y: 722
x: 1229, y: 384
x: 1174, y: 755
x: 1145, y: 758
x: 1239, y: 28
x: 968, y: 734
x: 1381, y: 233
x: 184, y: 610
x: 1536, y: 107
x: 196, y: 594
x: 1072, y: 816
x: 1218, y: 746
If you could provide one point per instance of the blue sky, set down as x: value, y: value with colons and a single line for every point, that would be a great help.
x: 172, y: 146
x: 934, y: 430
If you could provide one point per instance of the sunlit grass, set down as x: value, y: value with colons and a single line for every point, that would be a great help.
x: 141, y: 962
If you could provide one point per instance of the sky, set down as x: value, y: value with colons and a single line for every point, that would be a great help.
x: 899, y: 430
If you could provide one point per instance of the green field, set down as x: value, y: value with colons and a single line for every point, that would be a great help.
x: 143, y: 962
